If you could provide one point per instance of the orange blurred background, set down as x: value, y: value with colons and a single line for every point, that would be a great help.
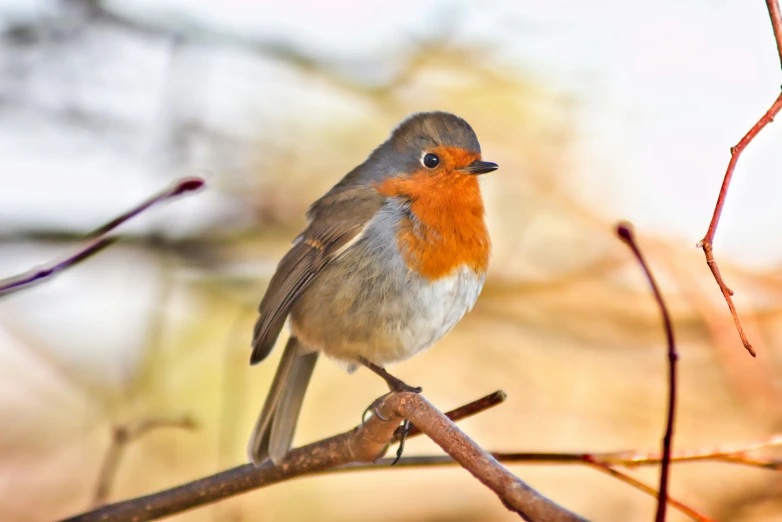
x: 593, y: 115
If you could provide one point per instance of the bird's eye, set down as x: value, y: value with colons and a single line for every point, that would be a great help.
x: 431, y: 161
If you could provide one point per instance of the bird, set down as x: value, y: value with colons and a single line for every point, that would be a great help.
x: 391, y: 259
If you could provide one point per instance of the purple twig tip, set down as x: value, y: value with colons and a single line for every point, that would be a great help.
x: 187, y: 185
x: 625, y: 231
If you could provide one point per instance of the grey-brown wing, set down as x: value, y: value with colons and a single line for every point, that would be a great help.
x: 336, y: 220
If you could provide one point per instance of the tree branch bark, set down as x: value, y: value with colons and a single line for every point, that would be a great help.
x: 365, y: 443
x: 512, y: 491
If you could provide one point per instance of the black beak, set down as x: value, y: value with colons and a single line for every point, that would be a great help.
x: 480, y: 167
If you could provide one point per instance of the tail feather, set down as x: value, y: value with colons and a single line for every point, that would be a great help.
x: 276, y: 424
x: 287, y: 415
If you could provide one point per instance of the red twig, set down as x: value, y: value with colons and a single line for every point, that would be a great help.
x: 776, y: 24
x: 625, y: 233
x: 97, y: 240
x: 707, y: 243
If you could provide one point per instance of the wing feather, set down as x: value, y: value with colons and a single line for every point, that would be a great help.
x: 337, y: 221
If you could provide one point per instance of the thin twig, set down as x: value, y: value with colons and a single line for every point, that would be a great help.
x: 25, y: 280
x: 537, y: 458
x: 468, y: 410
x: 365, y: 443
x: 605, y: 468
x: 604, y: 461
x: 776, y: 24
x: 96, y: 240
x: 625, y: 233
x: 734, y: 454
x: 122, y: 436
x: 707, y: 243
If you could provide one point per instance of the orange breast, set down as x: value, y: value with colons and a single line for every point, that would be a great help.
x: 448, y: 230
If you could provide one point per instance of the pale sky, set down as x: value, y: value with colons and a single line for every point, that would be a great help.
x: 664, y: 88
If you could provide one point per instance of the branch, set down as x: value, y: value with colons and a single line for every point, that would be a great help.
x: 776, y: 24
x: 605, y: 468
x: 97, y: 240
x: 121, y: 437
x: 625, y: 233
x: 514, y: 493
x: 463, y: 412
x: 607, y: 462
x: 707, y: 243
x: 365, y: 443
x: 734, y: 454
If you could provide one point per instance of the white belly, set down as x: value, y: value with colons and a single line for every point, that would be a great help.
x: 437, y: 308
x: 387, y: 330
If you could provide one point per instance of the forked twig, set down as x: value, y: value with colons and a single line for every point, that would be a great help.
x: 122, y: 436
x: 625, y: 233
x: 707, y: 243
x: 97, y: 240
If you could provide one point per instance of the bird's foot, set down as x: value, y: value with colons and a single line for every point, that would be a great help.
x: 374, y: 408
x: 405, y: 427
x: 394, y: 384
x: 402, y: 430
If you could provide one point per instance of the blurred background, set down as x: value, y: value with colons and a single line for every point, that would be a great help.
x: 595, y: 112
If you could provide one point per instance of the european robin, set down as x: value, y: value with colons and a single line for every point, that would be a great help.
x: 391, y: 259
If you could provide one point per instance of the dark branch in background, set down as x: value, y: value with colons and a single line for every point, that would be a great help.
x: 625, y: 233
x: 339, y: 74
x: 365, y: 443
x: 707, y: 243
x: 124, y: 435
x: 97, y: 240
